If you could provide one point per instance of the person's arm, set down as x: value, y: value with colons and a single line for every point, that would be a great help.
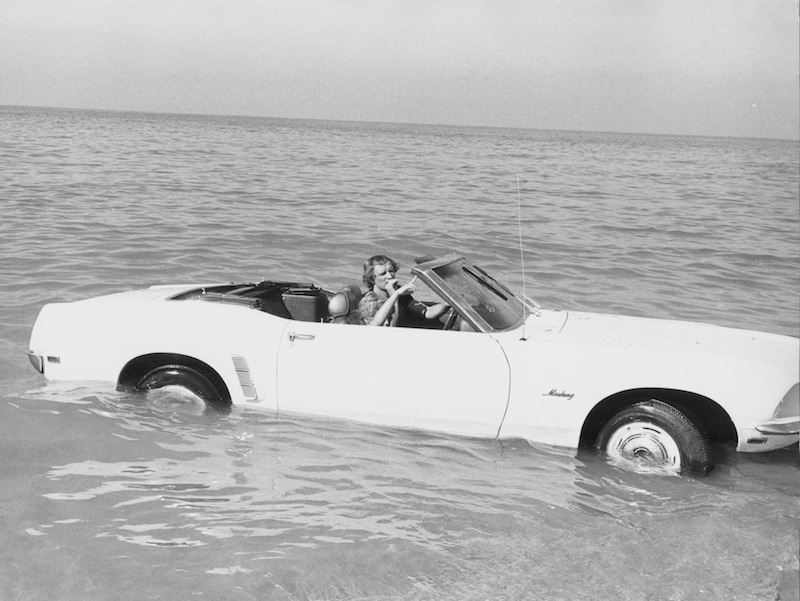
x: 436, y: 311
x: 382, y: 314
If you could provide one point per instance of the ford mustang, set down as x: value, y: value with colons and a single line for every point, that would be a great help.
x: 644, y: 392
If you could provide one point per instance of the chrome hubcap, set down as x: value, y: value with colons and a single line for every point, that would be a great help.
x: 644, y: 442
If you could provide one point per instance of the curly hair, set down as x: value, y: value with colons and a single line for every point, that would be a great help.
x: 367, y: 307
x: 369, y: 268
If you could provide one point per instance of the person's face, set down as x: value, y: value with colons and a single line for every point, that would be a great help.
x: 383, y: 274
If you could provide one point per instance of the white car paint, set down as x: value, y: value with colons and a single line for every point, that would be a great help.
x: 449, y: 381
x: 538, y: 382
x: 566, y: 373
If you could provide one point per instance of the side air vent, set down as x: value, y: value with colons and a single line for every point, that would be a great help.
x: 245, y: 380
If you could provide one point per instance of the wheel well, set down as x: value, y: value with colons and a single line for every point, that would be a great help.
x: 136, y: 368
x: 712, y: 419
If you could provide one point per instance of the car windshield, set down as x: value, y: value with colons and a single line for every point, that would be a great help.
x: 492, y: 301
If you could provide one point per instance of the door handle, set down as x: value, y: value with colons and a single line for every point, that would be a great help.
x: 295, y: 336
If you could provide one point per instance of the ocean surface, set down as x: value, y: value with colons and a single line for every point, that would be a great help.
x: 108, y: 495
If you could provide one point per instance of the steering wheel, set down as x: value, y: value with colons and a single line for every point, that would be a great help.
x: 451, y: 319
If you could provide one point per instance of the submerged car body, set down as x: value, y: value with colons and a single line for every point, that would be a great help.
x: 636, y: 388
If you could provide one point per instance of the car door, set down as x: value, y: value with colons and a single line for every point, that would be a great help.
x: 441, y: 380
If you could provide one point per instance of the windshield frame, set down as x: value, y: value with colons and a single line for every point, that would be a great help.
x: 495, y: 297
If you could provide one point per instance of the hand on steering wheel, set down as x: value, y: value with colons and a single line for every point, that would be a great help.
x: 451, y: 319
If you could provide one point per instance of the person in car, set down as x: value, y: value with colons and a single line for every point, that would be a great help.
x: 387, y: 302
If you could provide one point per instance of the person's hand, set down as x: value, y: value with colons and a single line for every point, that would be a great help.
x: 401, y: 290
x: 436, y: 311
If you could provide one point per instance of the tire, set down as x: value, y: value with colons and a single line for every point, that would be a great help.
x: 180, y: 375
x: 654, y: 434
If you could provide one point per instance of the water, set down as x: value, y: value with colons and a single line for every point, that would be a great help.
x: 110, y: 495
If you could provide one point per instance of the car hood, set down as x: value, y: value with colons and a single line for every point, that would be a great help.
x: 640, y: 333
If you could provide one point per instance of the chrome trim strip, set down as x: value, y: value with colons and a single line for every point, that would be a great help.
x: 245, y: 379
x: 37, y: 361
x: 784, y: 426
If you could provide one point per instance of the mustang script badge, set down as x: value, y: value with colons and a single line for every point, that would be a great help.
x: 559, y: 393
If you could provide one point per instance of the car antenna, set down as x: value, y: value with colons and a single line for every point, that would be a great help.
x: 522, y: 263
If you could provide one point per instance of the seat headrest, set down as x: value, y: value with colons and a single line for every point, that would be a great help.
x: 345, y: 301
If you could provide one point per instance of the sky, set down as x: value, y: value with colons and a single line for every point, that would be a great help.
x: 684, y: 67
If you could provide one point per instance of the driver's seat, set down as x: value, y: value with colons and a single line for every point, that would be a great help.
x: 343, y: 306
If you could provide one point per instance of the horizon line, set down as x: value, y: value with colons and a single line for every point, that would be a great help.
x: 403, y: 123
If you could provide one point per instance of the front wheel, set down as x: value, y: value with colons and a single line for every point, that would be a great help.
x: 652, y: 433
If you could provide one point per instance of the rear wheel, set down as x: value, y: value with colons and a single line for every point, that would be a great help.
x: 180, y: 375
x: 652, y: 433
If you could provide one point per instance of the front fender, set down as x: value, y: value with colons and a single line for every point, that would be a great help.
x: 557, y: 382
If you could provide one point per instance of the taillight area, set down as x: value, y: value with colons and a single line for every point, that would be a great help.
x: 37, y: 361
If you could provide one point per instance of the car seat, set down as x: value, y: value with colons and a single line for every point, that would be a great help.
x: 343, y: 306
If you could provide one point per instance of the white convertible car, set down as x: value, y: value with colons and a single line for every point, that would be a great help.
x: 644, y: 391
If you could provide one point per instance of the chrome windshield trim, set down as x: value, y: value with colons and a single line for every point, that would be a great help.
x: 427, y: 272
